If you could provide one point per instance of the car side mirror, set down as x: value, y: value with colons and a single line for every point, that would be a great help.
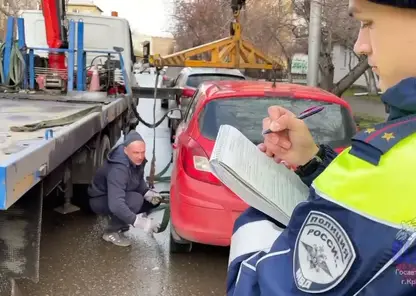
x: 175, y: 114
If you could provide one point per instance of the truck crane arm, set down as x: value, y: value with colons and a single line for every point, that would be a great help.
x: 56, y: 33
x: 231, y: 52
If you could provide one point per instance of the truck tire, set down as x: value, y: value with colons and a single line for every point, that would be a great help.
x: 81, y: 198
x: 105, y: 147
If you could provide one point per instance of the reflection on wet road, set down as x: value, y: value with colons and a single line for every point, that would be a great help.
x: 76, y: 261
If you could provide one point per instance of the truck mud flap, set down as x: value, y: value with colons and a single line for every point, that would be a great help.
x: 20, y: 230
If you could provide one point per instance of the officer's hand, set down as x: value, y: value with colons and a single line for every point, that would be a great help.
x: 291, y: 140
x: 262, y: 148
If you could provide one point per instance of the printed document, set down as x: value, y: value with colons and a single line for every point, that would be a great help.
x: 256, y: 178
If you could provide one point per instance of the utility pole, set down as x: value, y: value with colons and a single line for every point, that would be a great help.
x: 314, y: 42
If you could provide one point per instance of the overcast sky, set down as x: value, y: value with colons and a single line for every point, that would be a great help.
x: 150, y: 17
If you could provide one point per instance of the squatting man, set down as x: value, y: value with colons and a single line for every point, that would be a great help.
x: 120, y: 192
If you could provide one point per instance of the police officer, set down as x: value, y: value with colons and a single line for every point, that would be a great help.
x: 354, y: 235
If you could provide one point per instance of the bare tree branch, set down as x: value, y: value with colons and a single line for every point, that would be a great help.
x: 279, y: 28
x: 349, y: 79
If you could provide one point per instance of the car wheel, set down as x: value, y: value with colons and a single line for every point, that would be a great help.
x: 173, y: 126
x: 175, y: 247
x: 165, y: 104
x: 172, y: 134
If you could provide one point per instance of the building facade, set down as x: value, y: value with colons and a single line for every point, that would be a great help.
x: 83, y: 6
x: 158, y: 45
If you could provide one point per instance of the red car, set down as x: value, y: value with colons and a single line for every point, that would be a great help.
x: 202, y: 209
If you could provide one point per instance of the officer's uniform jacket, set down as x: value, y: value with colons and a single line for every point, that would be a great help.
x: 353, y: 236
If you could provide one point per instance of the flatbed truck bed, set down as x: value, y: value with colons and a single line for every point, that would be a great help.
x: 32, y: 153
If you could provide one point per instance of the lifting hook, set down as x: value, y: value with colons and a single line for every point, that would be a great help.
x: 237, y: 5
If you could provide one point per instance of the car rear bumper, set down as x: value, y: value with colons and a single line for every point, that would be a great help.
x: 202, y: 212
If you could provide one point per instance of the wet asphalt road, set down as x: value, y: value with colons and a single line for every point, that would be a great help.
x: 76, y: 261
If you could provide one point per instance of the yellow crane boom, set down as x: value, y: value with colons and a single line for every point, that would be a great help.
x: 231, y: 52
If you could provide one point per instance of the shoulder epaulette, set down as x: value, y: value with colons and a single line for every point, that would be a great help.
x: 371, y: 143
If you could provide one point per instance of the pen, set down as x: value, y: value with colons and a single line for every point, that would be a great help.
x: 305, y: 114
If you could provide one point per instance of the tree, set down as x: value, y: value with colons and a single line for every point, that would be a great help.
x: 278, y: 28
x: 266, y: 23
x: 337, y: 27
x: 12, y: 7
x: 197, y: 22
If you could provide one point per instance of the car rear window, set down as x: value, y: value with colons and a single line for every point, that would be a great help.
x: 196, y: 79
x: 333, y: 126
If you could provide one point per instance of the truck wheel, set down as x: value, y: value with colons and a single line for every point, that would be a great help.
x: 105, y: 147
x: 175, y: 247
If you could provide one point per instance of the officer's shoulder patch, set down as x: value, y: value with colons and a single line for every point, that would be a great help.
x: 371, y: 143
x: 323, y: 254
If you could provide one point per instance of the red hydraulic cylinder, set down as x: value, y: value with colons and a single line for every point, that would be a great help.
x: 53, y: 13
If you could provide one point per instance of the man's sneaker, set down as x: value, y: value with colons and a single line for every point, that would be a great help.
x: 119, y: 239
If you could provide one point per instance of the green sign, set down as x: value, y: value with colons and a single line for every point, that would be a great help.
x: 300, y: 65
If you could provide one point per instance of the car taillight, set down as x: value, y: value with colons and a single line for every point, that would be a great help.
x: 196, y: 163
x: 188, y: 93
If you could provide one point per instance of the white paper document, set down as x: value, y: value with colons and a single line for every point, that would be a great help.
x: 256, y: 178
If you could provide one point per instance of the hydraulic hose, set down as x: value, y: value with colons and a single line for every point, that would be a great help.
x: 153, y: 162
x: 153, y: 177
x: 17, y: 67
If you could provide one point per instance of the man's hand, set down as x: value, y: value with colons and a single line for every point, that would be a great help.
x: 290, y: 140
x: 147, y: 224
x: 153, y: 197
